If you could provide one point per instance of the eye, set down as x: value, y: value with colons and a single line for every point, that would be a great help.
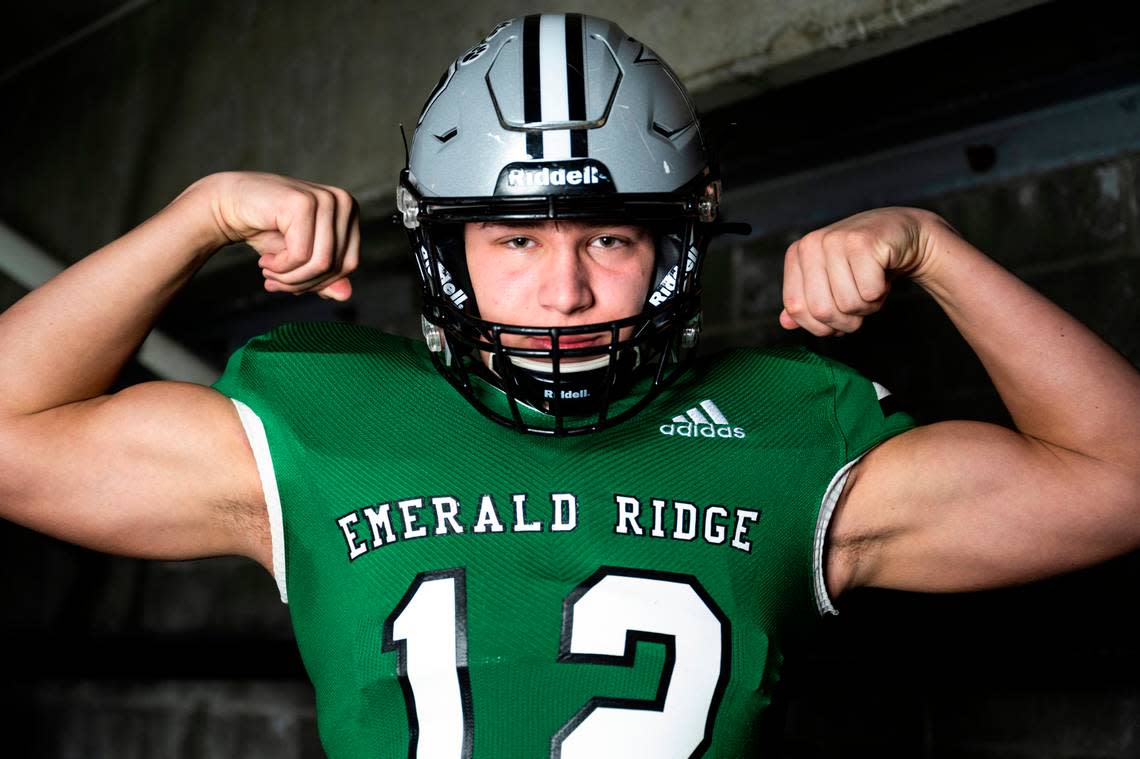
x: 518, y: 242
x: 608, y: 241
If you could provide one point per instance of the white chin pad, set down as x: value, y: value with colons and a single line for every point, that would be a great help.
x: 564, y: 366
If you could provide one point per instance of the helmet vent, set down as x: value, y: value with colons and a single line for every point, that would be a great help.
x: 645, y: 55
x: 665, y: 131
x: 446, y: 136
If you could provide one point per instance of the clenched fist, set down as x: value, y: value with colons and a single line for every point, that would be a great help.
x: 837, y: 275
x: 307, y: 235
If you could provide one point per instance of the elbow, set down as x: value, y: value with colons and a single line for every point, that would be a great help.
x: 10, y: 470
x: 1122, y: 496
x: 20, y: 465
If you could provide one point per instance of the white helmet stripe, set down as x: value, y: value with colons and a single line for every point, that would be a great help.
x: 555, y: 99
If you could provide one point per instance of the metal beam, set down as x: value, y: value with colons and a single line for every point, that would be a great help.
x: 30, y: 267
x: 1094, y: 128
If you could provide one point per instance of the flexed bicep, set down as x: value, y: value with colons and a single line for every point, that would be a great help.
x: 960, y: 506
x: 159, y: 470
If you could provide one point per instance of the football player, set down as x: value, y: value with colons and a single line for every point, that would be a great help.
x: 548, y: 529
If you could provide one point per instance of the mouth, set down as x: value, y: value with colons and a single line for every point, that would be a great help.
x: 569, y: 364
x: 569, y: 342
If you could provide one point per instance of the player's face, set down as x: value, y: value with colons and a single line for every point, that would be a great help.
x: 558, y: 274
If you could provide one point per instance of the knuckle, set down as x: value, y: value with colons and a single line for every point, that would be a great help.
x: 293, y: 259
x: 848, y: 303
x: 872, y: 291
x: 821, y: 310
x: 303, y: 203
x: 819, y: 330
x: 813, y: 242
x: 830, y: 238
x: 328, y: 197
x: 322, y: 258
x: 344, y: 198
x: 860, y: 239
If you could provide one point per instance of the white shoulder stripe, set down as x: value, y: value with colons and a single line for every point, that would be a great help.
x: 826, y: 509
x: 255, y: 433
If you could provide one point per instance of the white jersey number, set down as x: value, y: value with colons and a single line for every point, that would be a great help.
x: 603, y: 620
x: 428, y: 629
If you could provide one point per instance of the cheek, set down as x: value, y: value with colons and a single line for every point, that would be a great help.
x: 498, y: 292
x: 633, y: 288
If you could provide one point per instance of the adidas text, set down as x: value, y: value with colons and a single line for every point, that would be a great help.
x: 691, y: 429
x: 702, y: 420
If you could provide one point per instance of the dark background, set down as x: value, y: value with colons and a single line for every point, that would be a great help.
x: 1024, y: 132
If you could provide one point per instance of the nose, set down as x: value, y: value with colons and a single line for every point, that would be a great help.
x: 565, y: 284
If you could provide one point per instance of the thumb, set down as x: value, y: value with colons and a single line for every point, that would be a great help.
x: 786, y: 321
x: 339, y: 290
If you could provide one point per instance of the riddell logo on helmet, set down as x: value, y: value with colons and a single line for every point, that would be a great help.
x: 450, y: 289
x: 546, y: 177
x: 567, y: 395
x: 554, y: 177
x: 668, y: 283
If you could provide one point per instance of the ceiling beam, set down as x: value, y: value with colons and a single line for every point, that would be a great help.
x: 30, y: 266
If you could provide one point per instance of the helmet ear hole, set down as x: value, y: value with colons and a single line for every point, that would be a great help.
x: 668, y: 275
x: 667, y: 252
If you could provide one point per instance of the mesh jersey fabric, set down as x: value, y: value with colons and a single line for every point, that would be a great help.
x: 685, y: 534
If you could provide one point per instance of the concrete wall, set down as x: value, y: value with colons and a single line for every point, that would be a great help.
x: 109, y: 129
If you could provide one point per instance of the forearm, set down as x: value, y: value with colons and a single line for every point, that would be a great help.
x: 67, y: 340
x: 1061, y: 383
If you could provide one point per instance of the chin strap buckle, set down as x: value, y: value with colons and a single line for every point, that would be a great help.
x: 408, y: 207
x: 709, y: 205
x: 691, y: 333
x: 433, y: 335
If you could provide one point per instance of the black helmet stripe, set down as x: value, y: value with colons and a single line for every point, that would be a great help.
x: 554, y: 84
x: 532, y: 84
x: 576, y: 83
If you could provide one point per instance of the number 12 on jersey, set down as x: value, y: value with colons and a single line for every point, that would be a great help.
x: 603, y: 620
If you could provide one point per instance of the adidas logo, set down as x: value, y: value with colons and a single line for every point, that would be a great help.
x: 703, y: 420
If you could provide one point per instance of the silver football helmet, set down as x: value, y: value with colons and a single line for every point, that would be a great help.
x: 558, y: 116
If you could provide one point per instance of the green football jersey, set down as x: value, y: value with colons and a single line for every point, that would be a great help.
x: 459, y: 589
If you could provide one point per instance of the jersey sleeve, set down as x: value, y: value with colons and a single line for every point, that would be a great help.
x: 865, y: 416
x: 293, y: 388
x: 245, y: 383
x: 865, y: 412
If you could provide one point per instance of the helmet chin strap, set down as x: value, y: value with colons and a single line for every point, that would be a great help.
x: 581, y: 384
x: 564, y: 367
